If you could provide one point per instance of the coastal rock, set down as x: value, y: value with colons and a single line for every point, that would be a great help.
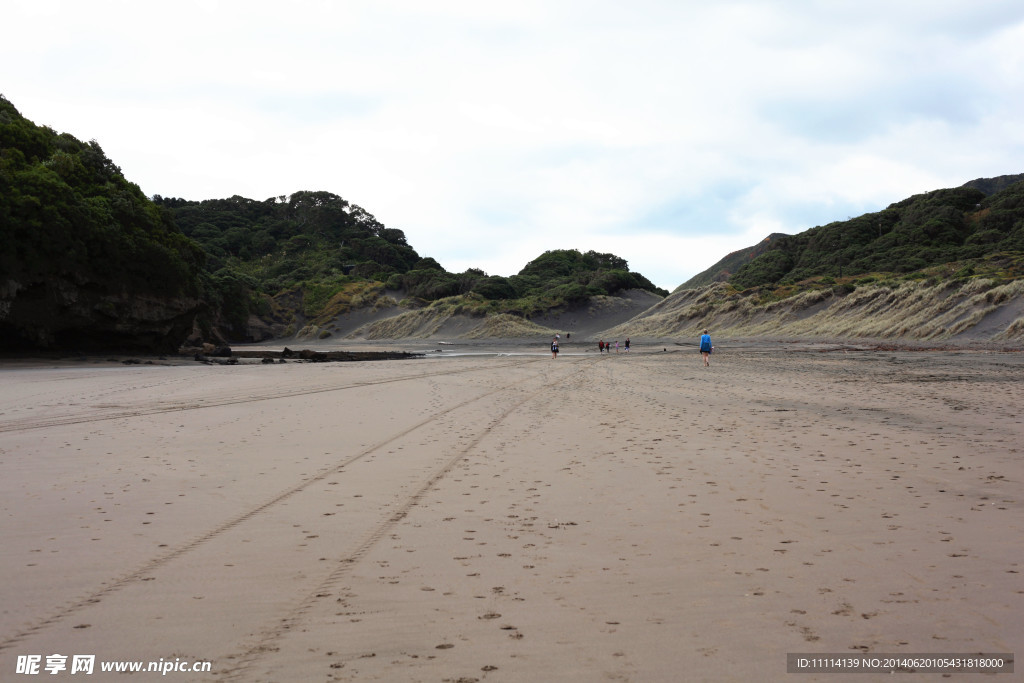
x: 61, y: 314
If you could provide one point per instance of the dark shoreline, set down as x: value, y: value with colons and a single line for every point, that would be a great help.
x: 322, y: 356
x: 227, y: 357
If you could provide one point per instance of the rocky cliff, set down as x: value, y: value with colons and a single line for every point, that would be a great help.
x: 87, y: 262
x: 61, y: 314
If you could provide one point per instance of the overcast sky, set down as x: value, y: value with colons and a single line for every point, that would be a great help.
x: 668, y: 132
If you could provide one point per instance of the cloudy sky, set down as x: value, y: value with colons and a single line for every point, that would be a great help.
x: 668, y: 132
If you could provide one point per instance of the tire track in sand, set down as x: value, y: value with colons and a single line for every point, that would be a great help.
x: 121, y: 412
x: 158, y: 561
x: 345, y: 563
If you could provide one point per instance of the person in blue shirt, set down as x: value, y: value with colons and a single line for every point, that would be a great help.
x: 706, y: 347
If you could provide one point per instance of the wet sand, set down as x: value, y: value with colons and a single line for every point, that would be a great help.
x: 512, y: 517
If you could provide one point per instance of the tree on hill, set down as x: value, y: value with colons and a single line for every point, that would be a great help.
x: 66, y: 209
x: 921, y: 231
x: 312, y: 241
x: 992, y: 185
x: 581, y: 274
x: 317, y: 240
x: 318, y: 233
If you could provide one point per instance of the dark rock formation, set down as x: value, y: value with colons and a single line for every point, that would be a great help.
x: 59, y: 314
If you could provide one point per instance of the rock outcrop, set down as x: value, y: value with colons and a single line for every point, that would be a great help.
x: 62, y: 315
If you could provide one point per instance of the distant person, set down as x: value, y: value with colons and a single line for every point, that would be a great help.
x: 616, y: 346
x: 554, y: 347
x: 627, y: 344
x: 600, y: 346
x: 706, y: 348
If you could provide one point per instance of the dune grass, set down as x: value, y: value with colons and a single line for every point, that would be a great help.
x: 917, y: 308
x: 507, y: 326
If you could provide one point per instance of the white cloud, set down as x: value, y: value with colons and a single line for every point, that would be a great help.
x: 667, y: 132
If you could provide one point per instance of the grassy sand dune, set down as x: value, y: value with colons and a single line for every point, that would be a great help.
x: 434, y: 322
x: 418, y: 324
x: 976, y: 309
x: 384, y: 318
x: 980, y: 308
x: 507, y: 327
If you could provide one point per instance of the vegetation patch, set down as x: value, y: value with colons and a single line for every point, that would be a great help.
x: 341, y: 258
x: 906, y: 239
x: 507, y: 326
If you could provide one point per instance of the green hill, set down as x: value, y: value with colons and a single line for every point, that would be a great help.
x: 86, y: 260
x: 288, y: 261
x: 925, y: 230
x: 993, y: 185
x: 942, y: 265
x: 981, y: 218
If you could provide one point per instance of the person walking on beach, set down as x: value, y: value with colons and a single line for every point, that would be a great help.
x: 706, y: 347
x: 627, y: 344
x: 600, y: 346
x: 554, y: 347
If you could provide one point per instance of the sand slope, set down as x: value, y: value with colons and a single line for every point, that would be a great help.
x: 624, y: 517
x: 976, y: 309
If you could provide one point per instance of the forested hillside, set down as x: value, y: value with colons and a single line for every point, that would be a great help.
x: 86, y: 259
x: 944, y: 226
x: 88, y: 262
x: 298, y: 258
x: 940, y: 265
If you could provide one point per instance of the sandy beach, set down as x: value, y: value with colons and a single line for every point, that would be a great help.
x: 509, y: 517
